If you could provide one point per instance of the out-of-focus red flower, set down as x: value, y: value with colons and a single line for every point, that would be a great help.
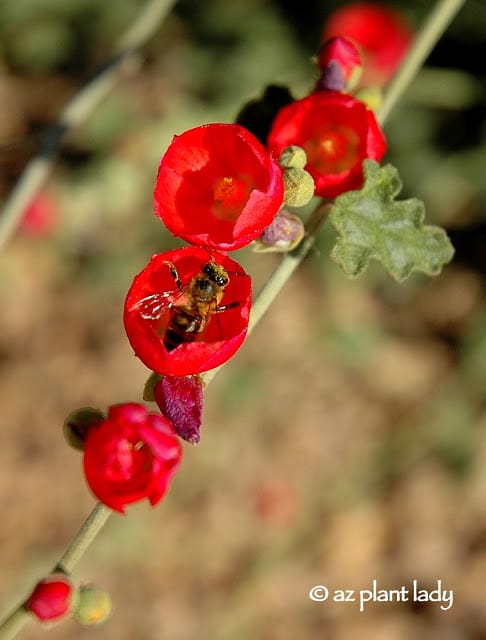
x: 382, y: 33
x: 130, y: 456
x: 340, y: 65
x: 187, y: 311
x: 217, y: 187
x: 41, y: 216
x: 51, y: 599
x: 180, y: 398
x: 337, y: 132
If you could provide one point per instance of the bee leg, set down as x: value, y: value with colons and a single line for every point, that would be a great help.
x: 225, y: 307
x: 174, y: 274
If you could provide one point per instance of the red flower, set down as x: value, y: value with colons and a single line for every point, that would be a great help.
x: 217, y: 187
x: 382, y: 33
x: 51, y: 599
x: 187, y: 311
x: 130, y: 456
x: 337, y: 132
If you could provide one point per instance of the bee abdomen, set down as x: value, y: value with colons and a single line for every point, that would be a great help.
x: 183, y: 327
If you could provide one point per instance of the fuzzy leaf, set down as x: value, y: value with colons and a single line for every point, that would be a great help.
x: 372, y: 225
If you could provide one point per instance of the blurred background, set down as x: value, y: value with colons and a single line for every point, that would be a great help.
x: 345, y: 442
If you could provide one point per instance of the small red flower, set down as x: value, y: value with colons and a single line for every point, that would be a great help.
x: 130, y: 456
x: 337, y: 132
x: 187, y: 311
x: 217, y: 187
x: 51, y: 599
x: 382, y: 33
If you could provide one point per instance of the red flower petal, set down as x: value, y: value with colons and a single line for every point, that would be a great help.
x: 217, y: 187
x: 337, y: 132
x: 130, y: 456
x: 382, y: 33
x: 156, y: 309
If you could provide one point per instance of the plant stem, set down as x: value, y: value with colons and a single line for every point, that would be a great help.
x: 76, y: 111
x: 85, y: 536
x: 14, y: 623
x: 434, y: 26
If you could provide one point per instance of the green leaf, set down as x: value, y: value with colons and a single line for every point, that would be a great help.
x: 372, y: 225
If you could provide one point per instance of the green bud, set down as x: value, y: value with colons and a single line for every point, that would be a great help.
x: 94, y: 605
x: 293, y: 157
x: 148, y: 390
x: 78, y: 423
x: 371, y: 96
x: 298, y: 187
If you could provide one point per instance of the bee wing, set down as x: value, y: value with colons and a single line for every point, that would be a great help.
x: 151, y: 307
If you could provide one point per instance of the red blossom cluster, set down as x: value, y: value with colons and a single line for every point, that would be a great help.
x: 219, y: 188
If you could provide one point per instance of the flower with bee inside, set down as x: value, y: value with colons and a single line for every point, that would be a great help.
x: 188, y: 311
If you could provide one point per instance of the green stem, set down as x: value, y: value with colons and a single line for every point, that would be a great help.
x: 14, y: 623
x: 434, y: 26
x: 85, y: 536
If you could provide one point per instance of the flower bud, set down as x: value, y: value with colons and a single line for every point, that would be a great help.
x: 78, y: 423
x: 371, y: 96
x: 94, y: 605
x: 340, y: 65
x: 382, y: 34
x: 293, y: 157
x: 52, y: 598
x: 282, y: 235
x: 299, y: 187
x: 180, y: 398
x: 148, y: 389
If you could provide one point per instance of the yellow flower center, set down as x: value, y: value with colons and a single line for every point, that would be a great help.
x: 230, y: 196
x: 332, y: 150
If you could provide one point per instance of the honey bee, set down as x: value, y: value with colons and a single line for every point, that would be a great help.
x: 191, y: 311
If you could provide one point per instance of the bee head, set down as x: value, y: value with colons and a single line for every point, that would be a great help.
x: 216, y: 273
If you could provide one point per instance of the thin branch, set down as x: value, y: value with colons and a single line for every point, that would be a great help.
x: 76, y: 111
x: 85, y: 536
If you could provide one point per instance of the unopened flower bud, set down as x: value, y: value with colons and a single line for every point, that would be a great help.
x: 293, y: 157
x: 299, y: 187
x: 340, y: 64
x: 52, y: 598
x: 78, y: 423
x: 94, y: 605
x: 180, y: 398
x: 282, y: 235
x: 371, y: 96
